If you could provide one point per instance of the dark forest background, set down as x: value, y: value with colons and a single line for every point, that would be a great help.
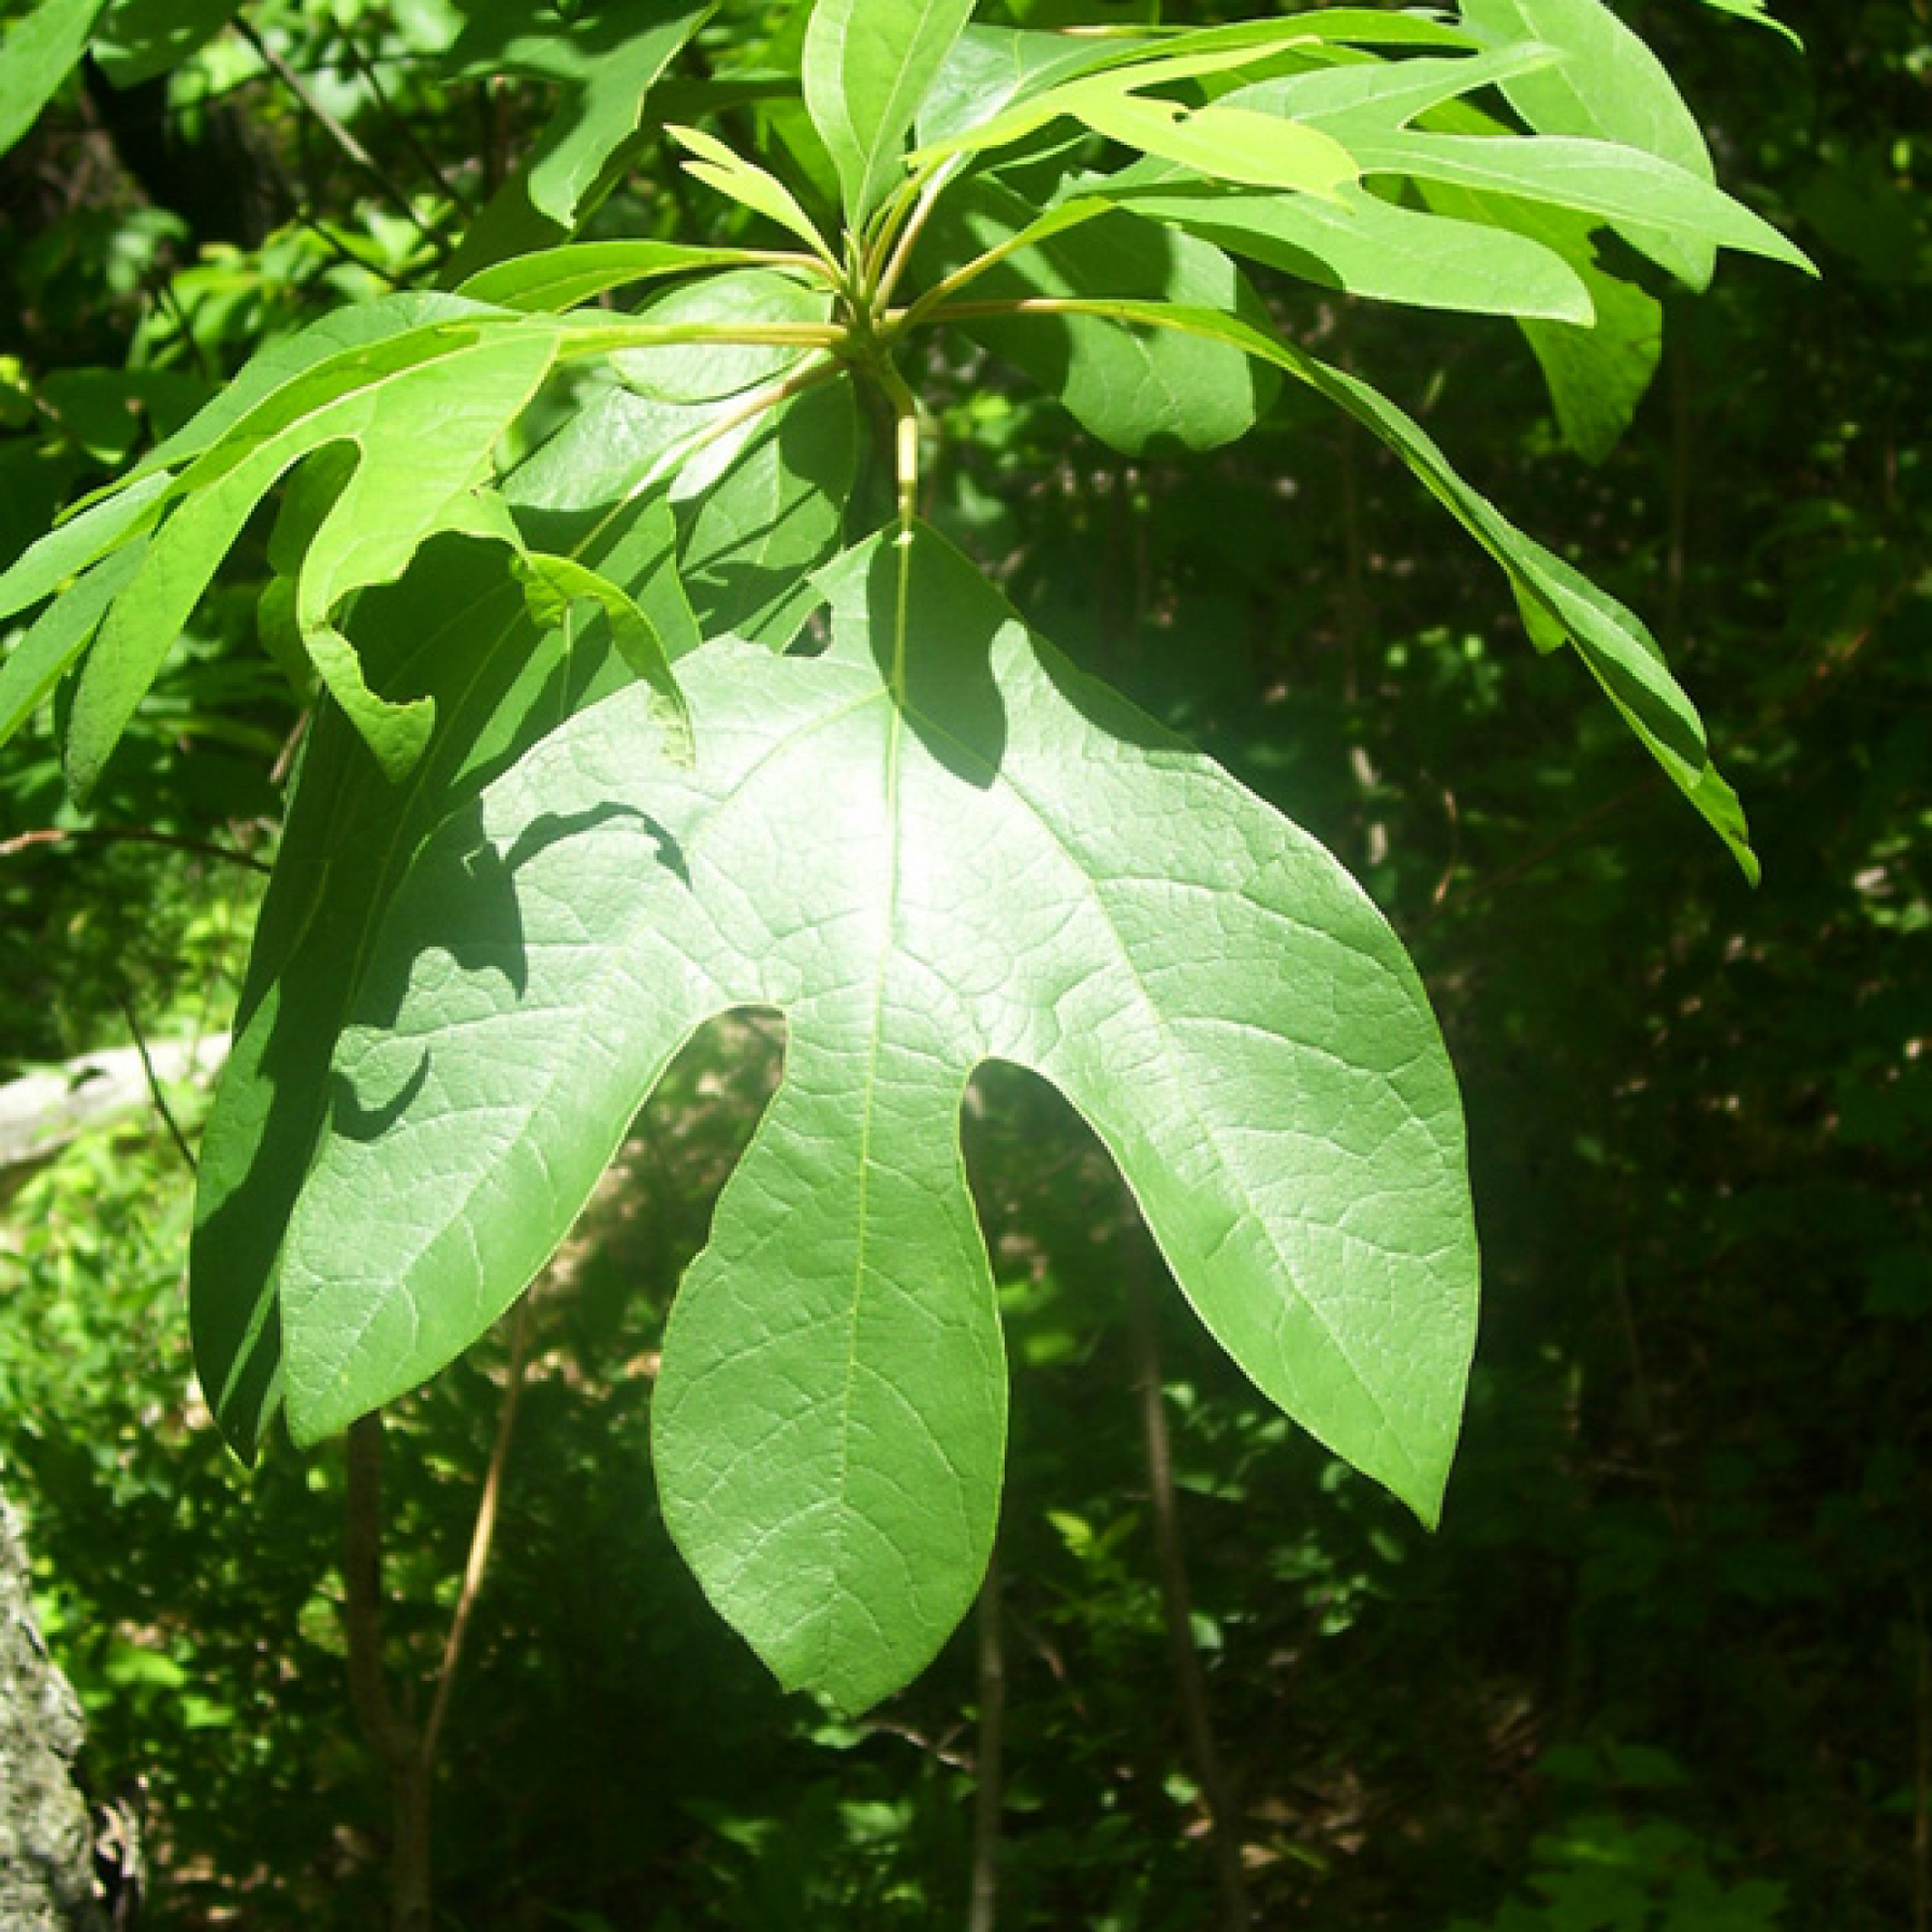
x: 1668, y: 1664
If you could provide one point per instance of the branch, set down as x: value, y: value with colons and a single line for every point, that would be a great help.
x: 129, y: 835
x: 153, y: 1079
x: 366, y: 67
x: 337, y: 132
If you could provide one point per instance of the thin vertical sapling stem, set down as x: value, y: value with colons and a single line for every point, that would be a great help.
x: 1922, y: 1772
x: 483, y: 1533
x: 365, y: 67
x: 391, y: 1736
x: 410, y: 1754
x: 1190, y: 1685
x: 989, y: 1757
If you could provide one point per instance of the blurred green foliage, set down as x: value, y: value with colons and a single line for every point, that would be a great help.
x: 1666, y: 1666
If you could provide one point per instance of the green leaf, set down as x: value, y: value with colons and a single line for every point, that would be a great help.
x: 1383, y: 94
x: 1557, y: 600
x: 989, y: 68
x: 712, y: 372
x: 56, y: 638
x: 1225, y: 143
x: 140, y: 38
x: 1610, y: 88
x: 1369, y: 247
x: 553, y: 586
x: 1629, y: 189
x: 360, y: 326
x: 747, y: 538
x: 85, y: 535
x: 422, y: 410
x: 1132, y: 388
x: 1110, y: 76
x: 606, y: 57
x: 459, y: 627
x: 751, y: 185
x: 758, y: 505
x: 867, y: 64
x: 37, y: 52
x: 558, y: 279
x: 1000, y: 85
x: 998, y: 859
x: 1596, y: 375
x: 1754, y: 12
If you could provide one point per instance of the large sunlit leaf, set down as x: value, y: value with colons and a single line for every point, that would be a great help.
x: 866, y: 66
x: 460, y: 629
x: 764, y: 509
x: 935, y: 845
x: 331, y: 338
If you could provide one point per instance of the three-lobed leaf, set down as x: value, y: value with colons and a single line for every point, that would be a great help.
x: 934, y: 845
x: 422, y: 410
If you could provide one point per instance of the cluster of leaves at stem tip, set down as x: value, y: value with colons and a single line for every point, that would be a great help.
x: 574, y: 785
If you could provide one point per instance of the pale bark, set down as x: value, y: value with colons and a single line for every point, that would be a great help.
x: 46, y: 1835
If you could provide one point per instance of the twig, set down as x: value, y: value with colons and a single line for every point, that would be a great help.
x: 154, y: 1093
x: 390, y: 1736
x: 129, y: 835
x: 989, y: 1756
x: 481, y: 1534
x: 908, y: 238
x: 368, y: 1689
x: 336, y: 131
x: 1217, y: 1797
x: 1542, y: 854
x: 366, y: 67
x: 336, y: 245
x: 1922, y: 1777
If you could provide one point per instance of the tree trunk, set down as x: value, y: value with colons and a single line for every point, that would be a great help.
x: 47, y: 1836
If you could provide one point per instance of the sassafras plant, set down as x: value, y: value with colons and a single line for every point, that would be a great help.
x: 634, y: 728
